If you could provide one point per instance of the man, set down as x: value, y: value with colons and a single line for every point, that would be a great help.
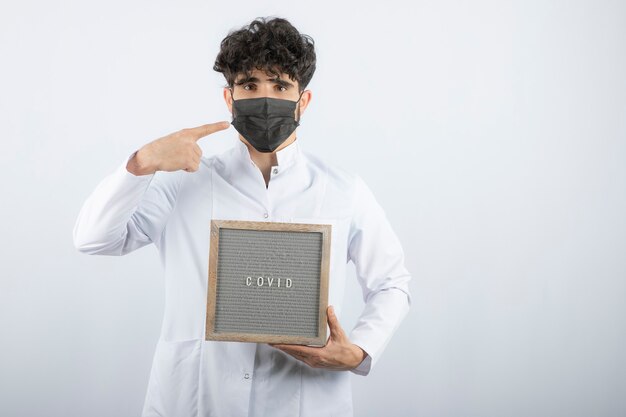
x: 167, y: 192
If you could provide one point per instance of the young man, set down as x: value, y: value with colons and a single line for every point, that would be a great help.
x: 166, y: 193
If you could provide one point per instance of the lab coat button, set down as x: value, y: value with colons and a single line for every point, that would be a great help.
x: 246, y: 376
x: 266, y: 215
x: 275, y: 171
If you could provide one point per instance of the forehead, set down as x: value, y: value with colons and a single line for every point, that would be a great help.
x: 263, y: 76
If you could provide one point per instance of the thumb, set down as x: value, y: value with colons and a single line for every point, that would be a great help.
x: 336, y: 332
x: 204, y: 130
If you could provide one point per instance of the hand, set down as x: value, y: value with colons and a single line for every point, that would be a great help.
x: 178, y: 150
x: 339, y: 354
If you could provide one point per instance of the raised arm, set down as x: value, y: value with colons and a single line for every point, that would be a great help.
x: 130, y: 207
x: 125, y: 212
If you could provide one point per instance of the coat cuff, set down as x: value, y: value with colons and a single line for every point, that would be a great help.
x: 364, y: 367
x: 381, y: 316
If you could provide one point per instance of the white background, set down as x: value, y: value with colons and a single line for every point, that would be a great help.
x: 493, y: 133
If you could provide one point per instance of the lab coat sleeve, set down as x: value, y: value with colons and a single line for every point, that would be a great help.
x: 125, y: 211
x: 378, y: 257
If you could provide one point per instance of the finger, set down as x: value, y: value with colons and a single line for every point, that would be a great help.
x: 299, y: 357
x: 204, y: 130
x: 296, y: 349
x: 313, y: 359
x: 197, y: 150
x: 333, y: 322
x: 289, y: 350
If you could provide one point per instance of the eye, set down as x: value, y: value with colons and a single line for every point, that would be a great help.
x: 245, y: 87
x: 283, y: 87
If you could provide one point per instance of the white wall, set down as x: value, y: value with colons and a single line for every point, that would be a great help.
x: 492, y: 132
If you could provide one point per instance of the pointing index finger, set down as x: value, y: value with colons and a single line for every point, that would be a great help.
x: 204, y: 130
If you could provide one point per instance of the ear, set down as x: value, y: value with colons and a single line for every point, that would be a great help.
x: 228, y: 99
x: 305, y: 100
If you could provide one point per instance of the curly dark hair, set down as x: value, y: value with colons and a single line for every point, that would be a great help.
x: 272, y: 45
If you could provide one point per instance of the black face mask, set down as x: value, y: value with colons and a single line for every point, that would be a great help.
x: 265, y: 122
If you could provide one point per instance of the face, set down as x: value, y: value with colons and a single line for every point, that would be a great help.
x: 260, y: 84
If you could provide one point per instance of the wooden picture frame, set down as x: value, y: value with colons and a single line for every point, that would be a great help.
x: 250, y: 298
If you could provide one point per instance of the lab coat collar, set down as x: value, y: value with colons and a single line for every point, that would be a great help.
x: 286, y: 157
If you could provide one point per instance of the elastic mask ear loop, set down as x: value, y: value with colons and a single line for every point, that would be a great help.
x: 233, y: 99
x: 299, y: 116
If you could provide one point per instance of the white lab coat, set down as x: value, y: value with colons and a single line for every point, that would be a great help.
x: 173, y: 210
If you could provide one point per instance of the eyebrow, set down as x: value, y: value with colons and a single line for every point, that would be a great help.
x: 251, y: 79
